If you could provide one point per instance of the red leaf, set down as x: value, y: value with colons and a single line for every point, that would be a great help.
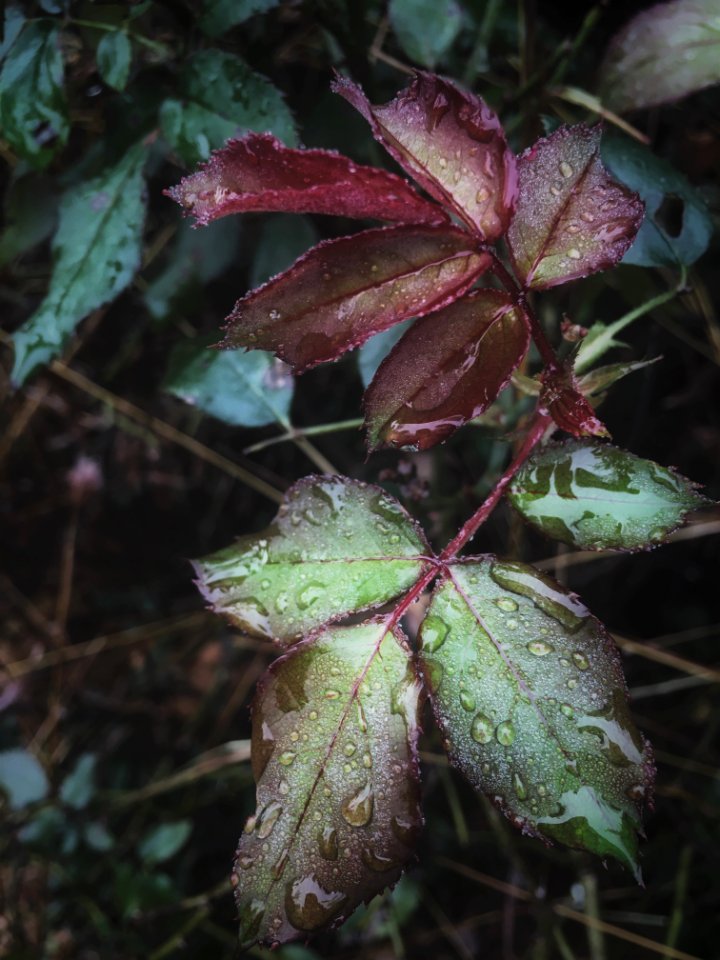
x: 572, y: 218
x: 430, y: 384
x: 571, y: 411
x: 343, y: 291
x: 453, y: 145
x: 260, y: 173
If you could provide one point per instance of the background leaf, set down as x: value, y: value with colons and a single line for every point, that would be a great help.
x: 219, y: 96
x: 96, y: 253
x: 283, y: 238
x: 33, y: 108
x: 336, y: 546
x: 164, y: 841
x: 78, y: 787
x: 244, y: 389
x: 572, y: 218
x: 30, y: 216
x: 114, y: 56
x: 220, y: 16
x: 597, y: 497
x: 335, y: 726
x: 373, y: 351
x: 425, y: 29
x: 659, y: 243
x: 528, y: 689
x: 662, y: 54
x: 22, y: 778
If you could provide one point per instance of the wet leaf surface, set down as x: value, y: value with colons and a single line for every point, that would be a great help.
x: 528, y: 689
x: 335, y: 726
x: 572, y: 219
x: 571, y: 411
x: 662, y: 54
x: 430, y: 384
x: 452, y: 143
x: 336, y: 546
x: 260, y: 173
x: 598, y: 497
x: 344, y: 291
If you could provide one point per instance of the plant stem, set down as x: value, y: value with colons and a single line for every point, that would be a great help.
x: 294, y: 432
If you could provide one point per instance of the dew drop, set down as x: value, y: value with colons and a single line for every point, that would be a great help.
x: 505, y: 733
x: 357, y: 810
x: 519, y: 786
x: 442, y: 163
x: 268, y: 818
x: 287, y: 758
x: 264, y: 584
x: 566, y: 710
x: 580, y: 660
x: 313, y: 715
x: 467, y: 701
x: 433, y: 674
x: 376, y: 861
x: 283, y: 788
x: 540, y: 648
x: 349, y: 749
x: 281, y: 602
x: 482, y: 195
x: 574, y: 253
x: 565, y: 169
x: 434, y: 635
x: 310, y: 595
x: 507, y: 604
x: 481, y: 729
x: 367, y: 761
x: 405, y: 830
x: 555, y: 191
x: 332, y: 694
x: 309, y: 905
x: 571, y: 684
x: 512, y: 624
x: 250, y: 824
x: 587, y: 217
x: 274, y: 314
x: 636, y: 792
x: 328, y: 843
x: 245, y: 862
x: 542, y: 790
x: 294, y: 736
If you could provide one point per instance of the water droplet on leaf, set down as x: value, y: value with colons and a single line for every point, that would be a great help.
x: 357, y: 810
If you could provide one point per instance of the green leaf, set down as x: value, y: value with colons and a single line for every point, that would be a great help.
x: 22, y: 778
x: 335, y: 726
x: 13, y: 21
x: 96, y: 252
x: 336, y: 546
x: 33, y: 109
x: 220, y: 16
x: 598, y: 497
x: 425, y: 29
x: 114, y: 56
x: 528, y: 690
x: 30, y: 215
x: 662, y: 54
x: 196, y: 258
x: 78, y: 788
x: 163, y: 842
x: 97, y: 837
x: 283, y: 238
x: 243, y: 389
x: 661, y: 186
x: 373, y: 351
x: 219, y: 96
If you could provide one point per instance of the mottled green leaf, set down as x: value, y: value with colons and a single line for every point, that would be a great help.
x: 243, y: 389
x: 33, y: 109
x: 221, y: 15
x: 598, y: 497
x: 219, y: 97
x: 96, y: 252
x: 78, y: 787
x: 677, y: 227
x: 164, y: 841
x: 336, y: 546
x: 114, y: 56
x: 373, y: 351
x: 662, y: 54
x: 425, y: 29
x: 335, y: 726
x: 22, y: 778
x: 30, y: 215
x: 528, y: 690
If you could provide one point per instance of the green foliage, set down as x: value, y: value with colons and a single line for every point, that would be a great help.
x: 114, y: 56
x: 22, y: 779
x: 78, y: 788
x: 220, y: 15
x: 426, y: 29
x: 164, y: 841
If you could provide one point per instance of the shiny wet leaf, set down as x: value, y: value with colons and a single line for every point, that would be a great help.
x: 527, y: 688
x: 336, y: 546
x: 335, y: 726
x: 598, y: 497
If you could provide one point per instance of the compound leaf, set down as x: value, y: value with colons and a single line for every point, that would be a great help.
x: 244, y: 389
x: 96, y: 252
x: 33, y: 109
x: 336, y: 546
x: 598, y: 497
x: 335, y: 726
x: 260, y: 173
x: 452, y: 143
x: 572, y: 218
x: 662, y: 54
x: 342, y: 291
x: 429, y: 385
x: 528, y: 690
x: 219, y: 97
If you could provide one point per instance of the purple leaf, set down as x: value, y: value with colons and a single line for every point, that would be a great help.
x: 571, y: 411
x: 343, y: 291
x: 452, y: 143
x: 430, y: 385
x: 260, y: 173
x: 572, y: 218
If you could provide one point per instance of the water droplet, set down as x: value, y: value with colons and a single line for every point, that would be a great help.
x: 580, y: 660
x: 565, y: 169
x: 294, y: 736
x: 542, y: 790
x: 481, y: 729
x: 587, y: 216
x: 268, y: 818
x: 507, y: 604
x: 367, y: 761
x: 505, y: 733
x: 283, y: 788
x: 250, y: 824
x: 555, y: 191
x: 328, y: 843
x: 571, y: 684
x: 349, y: 749
x: 281, y: 602
x: 309, y: 905
x: 574, y: 253
x: 310, y: 595
x: 636, y: 792
x: 540, y: 648
x: 357, y: 810
x: 405, y: 830
x: 433, y: 674
x: 566, y: 710
x: 287, y: 758
x: 362, y: 722
x: 467, y: 700
x: 245, y: 862
x: 394, y: 538
x: 376, y: 861
x: 512, y: 624
x: 482, y: 195
x: 332, y: 694
x: 274, y: 314
x: 434, y: 634
x: 264, y: 584
x: 442, y: 163
x: 520, y: 788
